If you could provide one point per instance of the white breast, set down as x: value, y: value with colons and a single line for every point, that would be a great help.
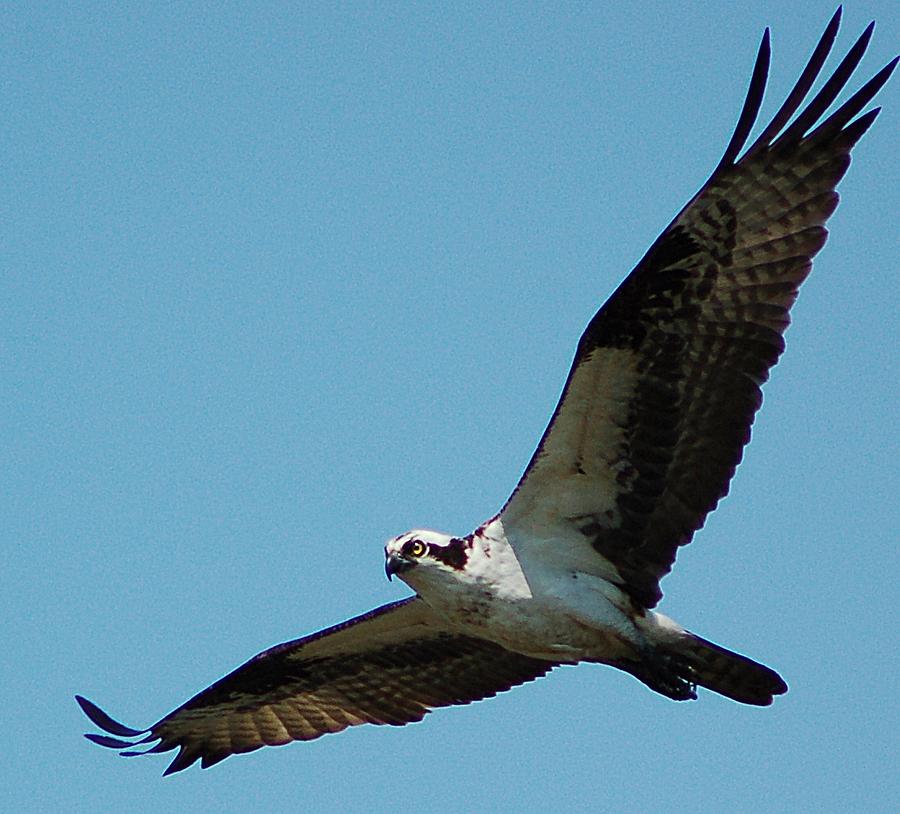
x: 537, y: 606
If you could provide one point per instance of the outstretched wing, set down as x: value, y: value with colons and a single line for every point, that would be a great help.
x: 666, y: 380
x: 389, y: 666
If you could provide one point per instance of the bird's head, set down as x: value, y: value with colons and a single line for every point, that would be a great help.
x: 420, y: 557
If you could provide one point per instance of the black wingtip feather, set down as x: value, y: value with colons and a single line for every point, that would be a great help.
x: 752, y: 103
x: 182, y: 760
x: 108, y: 742
x: 838, y: 119
x: 801, y: 88
x: 854, y: 132
x: 829, y: 91
x: 107, y: 724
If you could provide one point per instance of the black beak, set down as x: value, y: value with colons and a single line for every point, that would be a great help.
x: 395, y: 564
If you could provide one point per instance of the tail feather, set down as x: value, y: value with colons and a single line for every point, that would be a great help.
x: 678, y: 665
x: 727, y: 673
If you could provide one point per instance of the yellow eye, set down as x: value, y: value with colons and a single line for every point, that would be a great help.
x: 417, y: 548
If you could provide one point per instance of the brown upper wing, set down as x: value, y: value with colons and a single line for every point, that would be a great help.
x: 389, y: 666
x: 666, y: 380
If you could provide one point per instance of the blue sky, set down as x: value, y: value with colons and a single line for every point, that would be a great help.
x: 281, y: 281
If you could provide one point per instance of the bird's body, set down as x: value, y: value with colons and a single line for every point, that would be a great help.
x: 533, y: 611
x: 547, y: 610
x: 512, y: 591
x: 651, y: 425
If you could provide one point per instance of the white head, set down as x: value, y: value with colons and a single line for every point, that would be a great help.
x: 422, y: 558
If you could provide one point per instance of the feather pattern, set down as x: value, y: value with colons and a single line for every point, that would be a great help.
x: 666, y: 379
x: 389, y: 666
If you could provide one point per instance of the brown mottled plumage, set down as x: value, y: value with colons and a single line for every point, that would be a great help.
x: 388, y: 666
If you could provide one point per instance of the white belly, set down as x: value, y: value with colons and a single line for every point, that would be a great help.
x: 572, y: 617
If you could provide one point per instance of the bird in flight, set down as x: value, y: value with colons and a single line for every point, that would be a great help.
x: 651, y: 424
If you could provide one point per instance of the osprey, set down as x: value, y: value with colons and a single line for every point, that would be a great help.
x: 649, y: 429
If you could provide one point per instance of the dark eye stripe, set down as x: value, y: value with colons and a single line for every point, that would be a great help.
x: 455, y: 553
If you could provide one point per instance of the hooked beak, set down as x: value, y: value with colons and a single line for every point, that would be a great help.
x: 395, y: 564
